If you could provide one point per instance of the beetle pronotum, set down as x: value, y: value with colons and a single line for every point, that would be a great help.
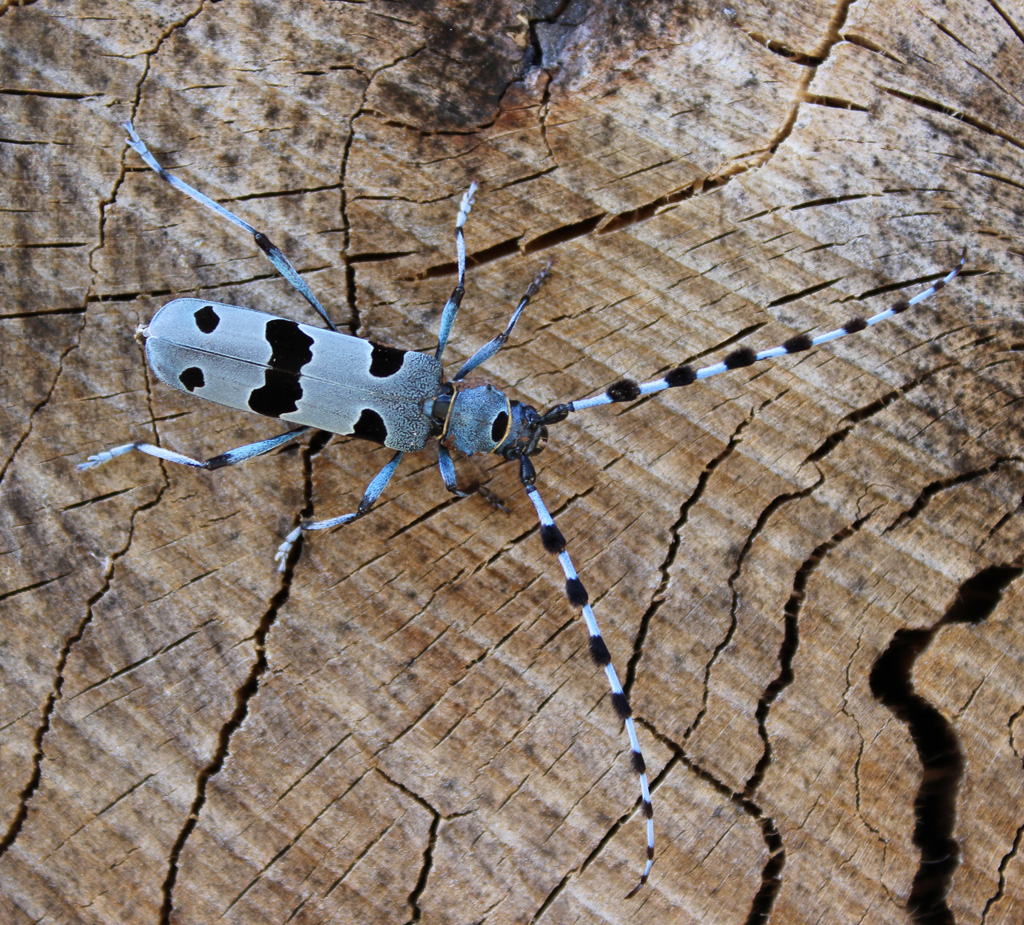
x: 322, y: 379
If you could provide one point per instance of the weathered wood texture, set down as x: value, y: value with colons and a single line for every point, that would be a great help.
x: 408, y: 726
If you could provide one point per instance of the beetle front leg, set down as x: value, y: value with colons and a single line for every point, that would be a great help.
x: 447, y: 467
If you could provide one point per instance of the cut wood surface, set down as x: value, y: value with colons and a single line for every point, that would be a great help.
x: 808, y: 572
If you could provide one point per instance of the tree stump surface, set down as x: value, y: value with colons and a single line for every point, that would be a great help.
x: 807, y: 572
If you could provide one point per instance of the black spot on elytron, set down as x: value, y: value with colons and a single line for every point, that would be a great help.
x: 192, y: 378
x: 207, y: 319
x: 279, y: 394
x: 289, y: 345
x: 385, y: 361
x: 499, y: 427
x: 371, y: 426
x: 738, y: 358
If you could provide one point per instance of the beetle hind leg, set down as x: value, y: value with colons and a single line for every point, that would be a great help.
x: 230, y: 458
x: 274, y: 254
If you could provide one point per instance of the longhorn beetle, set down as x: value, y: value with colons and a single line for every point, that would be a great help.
x: 325, y: 380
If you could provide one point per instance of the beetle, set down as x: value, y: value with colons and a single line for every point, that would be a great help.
x: 319, y: 378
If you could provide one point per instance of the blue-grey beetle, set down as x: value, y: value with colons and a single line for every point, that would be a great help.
x: 319, y: 378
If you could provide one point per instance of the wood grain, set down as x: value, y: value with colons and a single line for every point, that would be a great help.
x: 808, y: 572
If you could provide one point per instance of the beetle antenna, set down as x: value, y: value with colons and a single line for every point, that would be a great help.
x: 554, y: 543
x: 626, y: 390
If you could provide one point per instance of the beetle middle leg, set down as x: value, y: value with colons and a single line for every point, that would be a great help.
x: 373, y: 492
